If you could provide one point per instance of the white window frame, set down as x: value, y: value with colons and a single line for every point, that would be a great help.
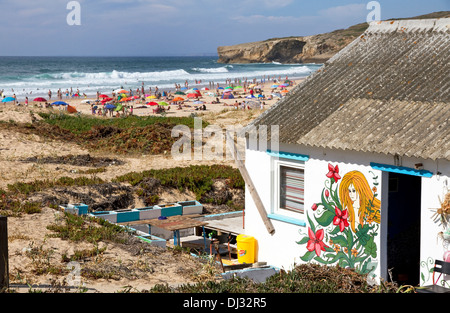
x: 275, y: 207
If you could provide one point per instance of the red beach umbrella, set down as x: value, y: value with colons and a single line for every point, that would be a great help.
x: 40, y: 99
x: 152, y: 103
x: 104, y: 96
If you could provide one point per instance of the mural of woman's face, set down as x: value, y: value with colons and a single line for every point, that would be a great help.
x: 352, y: 193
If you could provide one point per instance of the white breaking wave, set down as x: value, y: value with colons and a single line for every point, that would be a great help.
x: 211, y: 70
x: 115, y: 75
x: 90, y: 83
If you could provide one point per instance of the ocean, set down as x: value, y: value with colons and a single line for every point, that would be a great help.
x: 35, y: 76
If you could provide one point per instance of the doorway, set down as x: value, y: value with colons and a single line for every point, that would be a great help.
x: 403, y: 234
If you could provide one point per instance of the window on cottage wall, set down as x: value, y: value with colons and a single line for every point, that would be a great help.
x: 289, y: 188
x: 292, y: 189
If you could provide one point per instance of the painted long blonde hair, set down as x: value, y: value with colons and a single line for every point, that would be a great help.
x: 369, y: 208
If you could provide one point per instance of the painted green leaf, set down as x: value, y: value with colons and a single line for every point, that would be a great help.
x: 321, y: 260
x: 335, y: 197
x: 371, y: 248
x: 335, y: 231
x: 311, y: 225
x: 349, y: 238
x: 332, y: 258
x: 326, y: 204
x: 340, y: 240
x: 303, y: 241
x: 362, y: 234
x: 326, y: 218
x: 308, y: 256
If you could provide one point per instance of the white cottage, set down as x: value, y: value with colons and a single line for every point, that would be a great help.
x: 363, y: 158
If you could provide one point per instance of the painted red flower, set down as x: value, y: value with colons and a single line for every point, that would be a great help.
x: 315, y: 242
x: 341, y: 219
x: 333, y: 172
x: 327, y: 193
x: 314, y: 207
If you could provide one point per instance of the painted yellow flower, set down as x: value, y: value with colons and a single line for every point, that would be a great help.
x: 337, y: 248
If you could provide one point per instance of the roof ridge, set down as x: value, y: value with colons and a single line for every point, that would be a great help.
x: 413, y: 25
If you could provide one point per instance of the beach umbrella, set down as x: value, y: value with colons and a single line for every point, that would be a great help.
x: 229, y: 87
x: 274, y: 86
x: 59, y: 103
x: 110, y: 106
x: 183, y: 88
x: 71, y: 109
x: 152, y: 103
x: 151, y: 97
x: 106, y: 100
x: 192, y: 95
x: 121, y: 91
x: 220, y: 88
x: 227, y: 95
x: 191, y: 91
x: 162, y: 103
x: 238, y: 87
x: 104, y: 96
x: 75, y: 95
x: 8, y: 99
x: 119, y: 107
x: 180, y: 93
x: 178, y: 99
x: 40, y: 99
x: 205, y: 88
x: 194, y: 88
x: 285, y: 91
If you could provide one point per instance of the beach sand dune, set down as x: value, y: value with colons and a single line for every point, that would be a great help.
x: 30, y: 245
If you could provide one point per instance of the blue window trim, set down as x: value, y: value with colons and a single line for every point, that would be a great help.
x: 286, y: 219
x: 287, y: 155
x: 401, y: 170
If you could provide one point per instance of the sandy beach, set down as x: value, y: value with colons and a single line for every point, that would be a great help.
x: 184, y: 106
x: 29, y: 234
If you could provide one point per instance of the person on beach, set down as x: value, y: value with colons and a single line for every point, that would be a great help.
x: 26, y: 101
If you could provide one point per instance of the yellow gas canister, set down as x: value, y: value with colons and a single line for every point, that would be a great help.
x: 246, y: 248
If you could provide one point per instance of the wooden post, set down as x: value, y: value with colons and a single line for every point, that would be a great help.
x: 4, y: 266
x: 249, y: 183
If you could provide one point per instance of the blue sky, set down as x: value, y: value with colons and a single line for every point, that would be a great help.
x: 178, y: 27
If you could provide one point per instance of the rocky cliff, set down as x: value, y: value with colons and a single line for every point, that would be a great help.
x: 307, y: 49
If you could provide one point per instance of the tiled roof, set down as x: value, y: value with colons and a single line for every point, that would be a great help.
x: 387, y: 92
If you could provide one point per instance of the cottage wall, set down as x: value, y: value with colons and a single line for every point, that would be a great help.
x: 289, y: 245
